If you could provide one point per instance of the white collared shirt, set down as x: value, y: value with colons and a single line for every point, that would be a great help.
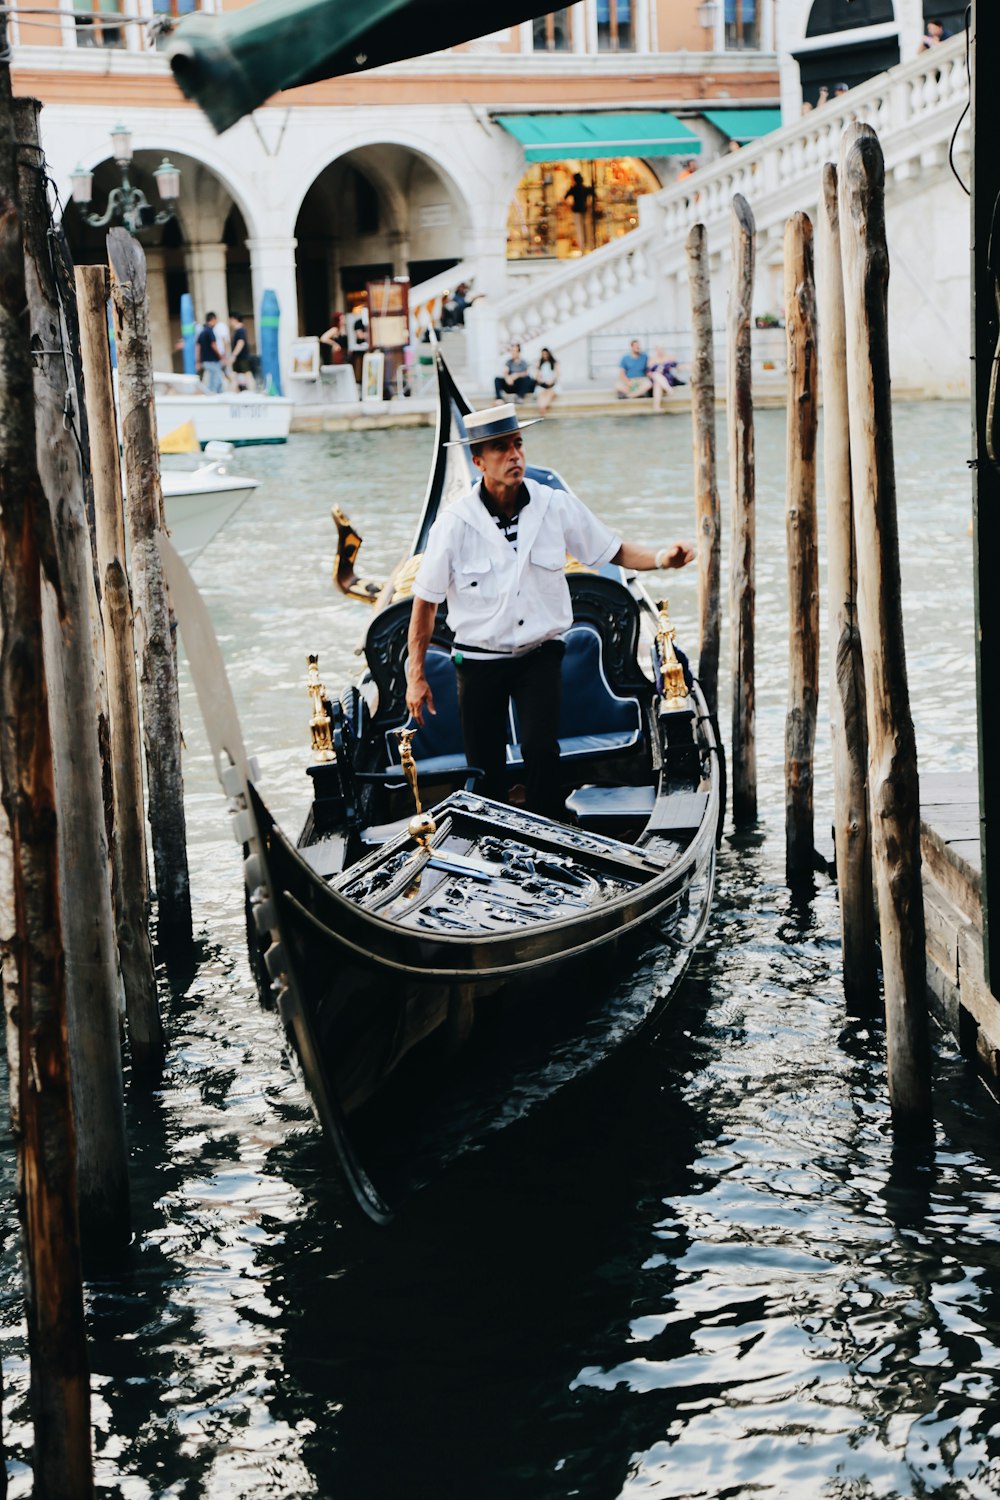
x: 502, y: 600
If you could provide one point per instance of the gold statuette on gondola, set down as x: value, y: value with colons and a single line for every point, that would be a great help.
x: 319, y: 723
x: 674, y: 687
x: 421, y: 825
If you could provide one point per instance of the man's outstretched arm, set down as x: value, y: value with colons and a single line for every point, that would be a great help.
x: 645, y: 559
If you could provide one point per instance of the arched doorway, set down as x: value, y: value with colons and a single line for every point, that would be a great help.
x: 377, y: 211
x: 202, y: 250
x: 541, y: 223
x: 846, y: 41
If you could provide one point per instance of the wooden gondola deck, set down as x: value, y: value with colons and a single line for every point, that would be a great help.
x: 950, y: 852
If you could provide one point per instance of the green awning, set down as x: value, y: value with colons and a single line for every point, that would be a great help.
x: 744, y: 125
x: 590, y: 137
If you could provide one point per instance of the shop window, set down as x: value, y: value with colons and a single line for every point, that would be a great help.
x: 96, y: 23
x: 542, y: 224
x: 552, y: 33
x: 614, y: 26
x: 741, y: 24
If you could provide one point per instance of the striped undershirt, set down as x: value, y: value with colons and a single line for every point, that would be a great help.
x: 506, y: 525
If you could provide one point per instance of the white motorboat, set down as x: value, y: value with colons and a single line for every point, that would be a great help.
x: 240, y: 417
x: 198, y: 502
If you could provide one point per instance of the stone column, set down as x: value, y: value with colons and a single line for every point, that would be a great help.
x: 578, y: 21
x: 206, y: 267
x: 159, y: 310
x: 640, y: 13
x: 272, y: 268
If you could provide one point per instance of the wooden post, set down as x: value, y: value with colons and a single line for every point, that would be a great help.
x: 986, y: 469
x: 92, y: 982
x: 60, y: 1389
x: 160, y: 705
x: 742, y: 478
x: 894, y: 790
x: 706, y: 490
x: 144, y: 1026
x: 803, y: 558
x: 848, y: 730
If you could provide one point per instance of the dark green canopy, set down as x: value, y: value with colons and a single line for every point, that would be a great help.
x: 232, y: 62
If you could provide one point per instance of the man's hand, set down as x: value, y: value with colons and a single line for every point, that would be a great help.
x: 419, y: 697
x: 677, y: 556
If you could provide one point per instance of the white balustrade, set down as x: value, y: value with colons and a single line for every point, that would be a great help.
x: 913, y: 108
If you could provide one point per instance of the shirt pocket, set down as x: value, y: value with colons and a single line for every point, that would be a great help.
x: 548, y: 568
x: 477, y: 584
x: 548, y: 557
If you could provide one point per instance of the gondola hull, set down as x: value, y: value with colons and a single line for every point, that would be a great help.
x: 442, y: 974
x: 427, y: 1043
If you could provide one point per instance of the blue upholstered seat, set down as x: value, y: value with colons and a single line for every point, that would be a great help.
x: 593, y: 721
x: 437, y: 744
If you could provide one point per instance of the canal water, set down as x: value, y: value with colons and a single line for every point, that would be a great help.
x: 712, y: 1275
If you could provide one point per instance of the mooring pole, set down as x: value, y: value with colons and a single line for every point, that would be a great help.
x: 742, y: 481
x: 60, y: 1387
x: 160, y: 704
x: 144, y: 1025
x: 92, y: 983
x: 803, y: 556
x: 706, y: 489
x: 894, y: 790
x: 848, y: 729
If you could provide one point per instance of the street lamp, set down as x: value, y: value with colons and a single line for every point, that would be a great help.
x: 128, y: 204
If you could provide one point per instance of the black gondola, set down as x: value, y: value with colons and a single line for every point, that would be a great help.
x: 441, y: 973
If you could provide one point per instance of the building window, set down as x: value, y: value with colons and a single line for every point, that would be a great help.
x: 541, y: 223
x: 176, y: 9
x: 95, y: 23
x: 552, y: 33
x: 741, y: 24
x: 614, y: 26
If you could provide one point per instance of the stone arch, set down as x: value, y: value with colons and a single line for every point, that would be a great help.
x: 827, y: 17
x: 841, y: 42
x: 202, y: 250
x: 373, y: 209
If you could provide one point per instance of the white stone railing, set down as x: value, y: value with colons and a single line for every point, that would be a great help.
x: 914, y: 107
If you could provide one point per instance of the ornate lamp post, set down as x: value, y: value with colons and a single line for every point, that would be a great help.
x: 127, y: 204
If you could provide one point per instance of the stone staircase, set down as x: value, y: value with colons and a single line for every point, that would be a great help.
x: 639, y: 283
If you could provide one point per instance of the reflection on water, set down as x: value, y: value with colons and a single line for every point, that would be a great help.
x: 704, y: 1273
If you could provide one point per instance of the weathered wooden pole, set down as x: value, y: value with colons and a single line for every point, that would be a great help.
x: 706, y: 489
x: 742, y: 481
x: 92, y: 982
x: 848, y: 729
x: 144, y: 1025
x: 893, y: 786
x: 160, y: 704
x: 60, y: 1390
x: 803, y: 555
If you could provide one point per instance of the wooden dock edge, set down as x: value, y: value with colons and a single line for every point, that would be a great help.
x: 957, y: 989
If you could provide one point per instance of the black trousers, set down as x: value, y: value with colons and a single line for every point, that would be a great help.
x: 513, y: 385
x: 485, y: 688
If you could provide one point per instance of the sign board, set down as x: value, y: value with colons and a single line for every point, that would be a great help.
x: 305, y: 358
x: 372, y: 375
x: 388, y: 313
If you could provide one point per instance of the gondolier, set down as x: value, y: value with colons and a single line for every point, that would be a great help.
x: 498, y: 557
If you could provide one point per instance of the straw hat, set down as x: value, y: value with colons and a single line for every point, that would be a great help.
x: 495, y: 421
